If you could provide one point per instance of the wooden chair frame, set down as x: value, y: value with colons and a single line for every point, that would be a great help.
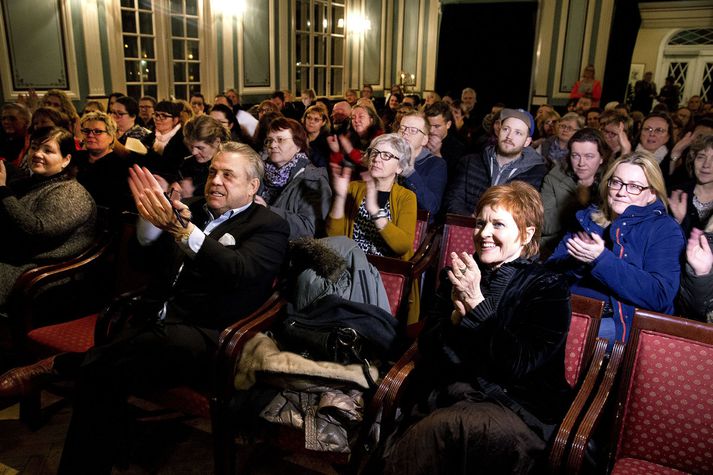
x: 593, y: 356
x: 644, y: 320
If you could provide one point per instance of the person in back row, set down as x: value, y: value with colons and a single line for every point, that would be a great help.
x: 512, y: 159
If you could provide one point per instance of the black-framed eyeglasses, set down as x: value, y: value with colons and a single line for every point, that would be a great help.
x: 88, y: 132
x: 406, y: 130
x: 383, y: 155
x: 117, y: 113
x: 162, y: 116
x: 631, y: 188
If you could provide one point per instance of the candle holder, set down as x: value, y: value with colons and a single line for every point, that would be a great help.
x: 407, y: 81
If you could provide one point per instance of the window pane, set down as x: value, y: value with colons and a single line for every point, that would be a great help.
x: 146, y: 23
x: 177, y: 26
x: 134, y: 91
x: 148, y: 71
x: 146, y: 4
x: 338, y: 20
x: 320, y: 50
x: 181, y: 91
x: 127, y: 3
x: 192, y: 47
x: 176, y: 6
x: 192, y: 7
x: 338, y: 51
x: 302, y: 77
x: 131, y: 48
x: 320, y: 19
x: 128, y: 22
x: 302, y: 48
x: 320, y: 80
x: 336, y: 81
x: 301, y: 15
x: 179, y: 72
x: 191, y: 28
x: 178, y: 50
x: 151, y: 90
x: 194, y: 72
x: 133, y: 71
x: 147, y: 50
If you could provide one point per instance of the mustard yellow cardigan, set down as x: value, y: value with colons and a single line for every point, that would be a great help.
x: 399, y: 233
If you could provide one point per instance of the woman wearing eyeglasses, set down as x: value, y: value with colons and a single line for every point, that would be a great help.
x: 627, y: 250
x: 46, y: 217
x: 98, y: 167
x: 293, y: 187
x: 124, y: 111
x: 168, y: 150
x: 376, y: 212
x: 554, y: 149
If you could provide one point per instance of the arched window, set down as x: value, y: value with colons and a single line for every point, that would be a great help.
x: 688, y: 57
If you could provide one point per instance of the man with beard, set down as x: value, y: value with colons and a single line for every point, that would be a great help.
x: 512, y: 159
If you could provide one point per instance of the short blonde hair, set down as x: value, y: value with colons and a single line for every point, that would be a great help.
x: 111, y: 127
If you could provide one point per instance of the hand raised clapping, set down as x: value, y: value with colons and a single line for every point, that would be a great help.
x: 698, y: 253
x: 152, y: 204
x: 465, y: 277
x: 585, y: 247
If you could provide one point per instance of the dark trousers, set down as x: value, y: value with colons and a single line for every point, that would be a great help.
x: 137, y: 360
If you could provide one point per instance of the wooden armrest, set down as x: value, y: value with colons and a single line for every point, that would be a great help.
x: 234, y: 338
x: 574, y: 414
x: 426, y: 254
x: 594, y: 412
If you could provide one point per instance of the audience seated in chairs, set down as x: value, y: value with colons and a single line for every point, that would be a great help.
x: 228, y: 270
x: 46, y: 217
x: 627, y: 250
x: 293, y: 187
x: 98, y: 167
x: 493, y: 351
x: 426, y: 174
x: 377, y: 212
x: 350, y: 141
x: 573, y: 184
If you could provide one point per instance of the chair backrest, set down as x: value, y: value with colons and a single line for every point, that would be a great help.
x: 422, y: 217
x: 457, y: 237
x: 583, y: 330
x: 665, y: 402
x: 396, y: 275
x: 60, y: 290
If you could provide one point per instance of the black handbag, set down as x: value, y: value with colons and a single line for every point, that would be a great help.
x: 340, y: 331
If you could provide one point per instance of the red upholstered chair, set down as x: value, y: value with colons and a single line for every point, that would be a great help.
x: 457, y: 237
x: 422, y: 217
x: 583, y: 351
x: 397, y: 277
x: 664, y: 408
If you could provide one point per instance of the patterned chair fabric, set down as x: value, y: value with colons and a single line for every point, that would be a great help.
x: 395, y: 285
x: 457, y: 237
x: 73, y: 336
x: 421, y: 227
x: 668, y: 411
x: 574, y: 350
x: 627, y: 466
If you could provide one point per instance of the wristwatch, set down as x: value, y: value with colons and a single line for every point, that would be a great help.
x: 382, y: 213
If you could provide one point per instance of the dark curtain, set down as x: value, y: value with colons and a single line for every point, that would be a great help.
x: 489, y: 47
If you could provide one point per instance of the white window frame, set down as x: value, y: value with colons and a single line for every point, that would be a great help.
x: 164, y: 63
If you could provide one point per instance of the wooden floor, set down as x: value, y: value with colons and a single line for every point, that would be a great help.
x: 162, y: 444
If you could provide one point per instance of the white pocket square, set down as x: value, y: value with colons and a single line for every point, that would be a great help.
x: 227, y: 240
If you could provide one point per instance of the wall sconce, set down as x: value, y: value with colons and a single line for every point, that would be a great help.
x: 234, y: 8
x: 358, y: 23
